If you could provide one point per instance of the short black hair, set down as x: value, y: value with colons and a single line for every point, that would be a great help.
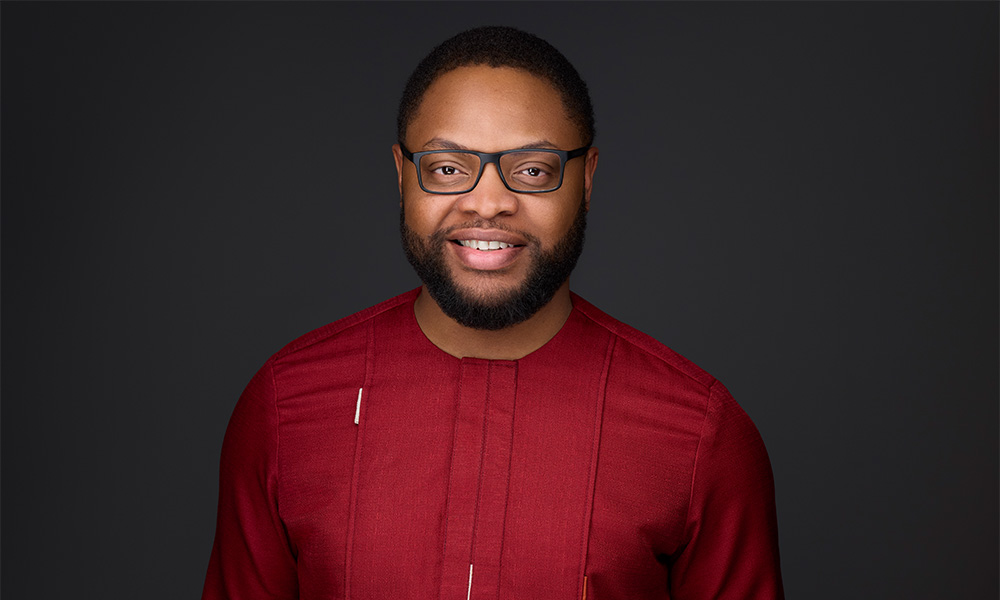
x: 498, y: 46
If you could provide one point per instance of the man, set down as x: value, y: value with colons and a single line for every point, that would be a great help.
x: 491, y: 434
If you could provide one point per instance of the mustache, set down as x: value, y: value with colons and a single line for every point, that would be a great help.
x: 441, y: 235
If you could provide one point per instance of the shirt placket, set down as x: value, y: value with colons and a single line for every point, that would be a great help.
x: 479, y: 480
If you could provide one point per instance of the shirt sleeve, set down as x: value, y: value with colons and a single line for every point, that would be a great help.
x: 732, y: 533
x: 251, y: 557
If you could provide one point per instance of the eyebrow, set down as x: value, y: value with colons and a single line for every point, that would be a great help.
x: 443, y: 144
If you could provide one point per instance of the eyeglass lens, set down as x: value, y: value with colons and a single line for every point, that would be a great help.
x: 455, y: 172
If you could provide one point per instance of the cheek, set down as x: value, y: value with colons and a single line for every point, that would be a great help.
x: 423, y: 214
x: 555, y: 221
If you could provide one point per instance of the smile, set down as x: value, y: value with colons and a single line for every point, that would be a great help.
x: 484, y: 245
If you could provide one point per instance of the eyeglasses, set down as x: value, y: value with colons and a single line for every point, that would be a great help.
x: 525, y: 171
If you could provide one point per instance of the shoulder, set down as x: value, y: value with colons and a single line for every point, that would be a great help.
x: 662, y: 385
x: 327, y: 360
x: 659, y: 386
x: 655, y: 377
x: 341, y: 331
x: 638, y: 347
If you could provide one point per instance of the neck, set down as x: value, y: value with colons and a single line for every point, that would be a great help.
x: 510, y: 343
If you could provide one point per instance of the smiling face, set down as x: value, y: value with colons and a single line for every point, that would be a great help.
x: 491, y: 257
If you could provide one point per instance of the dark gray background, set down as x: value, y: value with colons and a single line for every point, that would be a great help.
x: 801, y: 198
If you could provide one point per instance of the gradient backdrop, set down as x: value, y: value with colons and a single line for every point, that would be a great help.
x: 801, y: 198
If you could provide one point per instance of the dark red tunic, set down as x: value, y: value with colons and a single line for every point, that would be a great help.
x: 601, y: 466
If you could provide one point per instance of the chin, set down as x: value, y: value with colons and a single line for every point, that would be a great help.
x: 487, y: 298
x: 493, y: 300
x: 489, y: 288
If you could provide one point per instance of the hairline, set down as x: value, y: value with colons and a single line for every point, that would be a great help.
x: 567, y: 112
x: 586, y: 133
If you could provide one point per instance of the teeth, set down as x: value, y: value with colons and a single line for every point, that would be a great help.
x: 484, y: 245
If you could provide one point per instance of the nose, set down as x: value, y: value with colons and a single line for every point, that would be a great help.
x: 490, y: 197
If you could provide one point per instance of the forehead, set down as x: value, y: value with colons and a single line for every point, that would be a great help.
x: 491, y: 109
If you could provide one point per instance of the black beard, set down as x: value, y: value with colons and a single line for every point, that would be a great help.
x: 549, y: 271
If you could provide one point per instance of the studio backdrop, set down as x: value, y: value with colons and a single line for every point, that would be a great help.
x: 799, y: 197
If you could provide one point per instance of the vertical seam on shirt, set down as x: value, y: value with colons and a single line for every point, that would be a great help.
x: 482, y: 458
x: 595, y: 452
x: 694, y: 466
x: 277, y: 436
x: 277, y: 459
x: 451, y: 467
x: 356, y: 471
x: 506, y: 498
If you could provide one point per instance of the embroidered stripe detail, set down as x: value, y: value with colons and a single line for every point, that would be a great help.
x: 469, y: 593
x: 355, y: 473
x: 357, y: 409
x: 595, y: 452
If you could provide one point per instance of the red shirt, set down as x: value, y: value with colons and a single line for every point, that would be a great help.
x: 363, y: 462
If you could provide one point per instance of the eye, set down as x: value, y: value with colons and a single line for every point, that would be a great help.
x: 447, y: 171
x: 532, y: 172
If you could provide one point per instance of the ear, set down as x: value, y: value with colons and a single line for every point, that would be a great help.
x: 397, y: 155
x: 588, y: 175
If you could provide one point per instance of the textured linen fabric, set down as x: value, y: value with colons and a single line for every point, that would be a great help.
x: 601, y: 466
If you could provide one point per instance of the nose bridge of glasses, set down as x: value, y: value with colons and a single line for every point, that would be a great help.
x: 485, y: 161
x: 490, y: 196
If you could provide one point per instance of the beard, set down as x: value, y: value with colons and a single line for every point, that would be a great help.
x: 548, y: 271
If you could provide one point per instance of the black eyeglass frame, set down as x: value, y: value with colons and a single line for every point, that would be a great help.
x: 486, y: 158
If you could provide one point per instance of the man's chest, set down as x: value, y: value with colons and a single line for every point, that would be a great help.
x: 490, y: 480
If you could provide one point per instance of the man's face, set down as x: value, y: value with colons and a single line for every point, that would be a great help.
x: 489, y: 110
